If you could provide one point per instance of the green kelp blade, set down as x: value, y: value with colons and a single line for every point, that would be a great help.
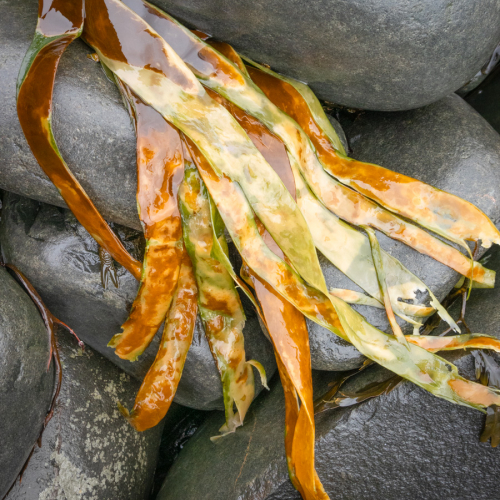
x: 350, y: 251
x: 59, y: 23
x: 445, y: 214
x: 424, y: 368
x: 223, y: 76
x: 219, y: 303
x: 160, y: 170
x: 173, y: 90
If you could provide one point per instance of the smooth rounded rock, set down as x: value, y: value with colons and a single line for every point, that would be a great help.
x: 375, y: 54
x: 61, y: 260
x: 25, y: 384
x: 89, y: 451
x: 447, y: 145
x: 404, y: 445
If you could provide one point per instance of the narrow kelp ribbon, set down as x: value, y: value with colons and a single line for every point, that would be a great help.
x: 444, y: 213
x: 161, y: 79
x: 59, y: 23
x: 160, y: 383
x: 219, y: 303
x: 220, y: 74
x: 160, y: 170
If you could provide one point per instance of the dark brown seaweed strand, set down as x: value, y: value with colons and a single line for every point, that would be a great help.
x: 34, y: 108
x: 488, y: 373
x: 50, y: 320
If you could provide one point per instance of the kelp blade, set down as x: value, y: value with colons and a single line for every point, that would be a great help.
x: 174, y: 91
x: 160, y: 383
x: 219, y: 303
x: 59, y: 23
x: 444, y: 213
x: 160, y: 170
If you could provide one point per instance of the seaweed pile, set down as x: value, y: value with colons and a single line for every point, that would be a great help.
x: 228, y: 148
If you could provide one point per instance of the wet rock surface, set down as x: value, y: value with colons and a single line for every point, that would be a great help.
x: 25, y: 385
x: 89, y: 451
x: 447, y: 145
x: 61, y: 260
x: 404, y: 445
x: 366, y: 55
x: 91, y: 126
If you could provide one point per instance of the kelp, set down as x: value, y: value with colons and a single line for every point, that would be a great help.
x: 409, y: 197
x: 219, y: 303
x: 108, y: 270
x: 260, y: 159
x: 160, y: 383
x: 59, y: 23
x: 218, y: 73
x: 160, y: 168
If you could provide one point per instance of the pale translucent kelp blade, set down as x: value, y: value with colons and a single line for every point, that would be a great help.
x: 173, y: 90
x: 220, y: 307
x: 60, y: 24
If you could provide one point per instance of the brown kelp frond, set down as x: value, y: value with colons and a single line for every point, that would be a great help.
x: 219, y: 303
x: 451, y: 343
x: 160, y: 169
x: 160, y: 383
x: 174, y: 91
x: 441, y: 212
x: 59, y: 25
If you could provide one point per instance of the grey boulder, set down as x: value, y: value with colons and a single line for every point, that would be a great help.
x: 25, y: 384
x: 89, y: 451
x: 61, y: 260
x: 446, y: 144
x: 371, y: 55
x: 401, y: 446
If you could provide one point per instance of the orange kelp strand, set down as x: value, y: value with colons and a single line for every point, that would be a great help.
x: 59, y: 23
x: 160, y: 170
x: 160, y: 383
x: 439, y: 211
x: 352, y: 206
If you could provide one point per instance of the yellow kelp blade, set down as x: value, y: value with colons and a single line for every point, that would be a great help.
x: 220, y: 74
x: 160, y: 170
x: 59, y: 23
x: 219, y: 303
x: 444, y: 213
x: 160, y: 383
x: 161, y: 79
x: 454, y: 342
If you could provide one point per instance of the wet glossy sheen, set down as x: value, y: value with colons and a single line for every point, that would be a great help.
x: 62, y: 20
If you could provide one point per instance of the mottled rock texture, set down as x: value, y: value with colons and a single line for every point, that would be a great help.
x: 89, y: 451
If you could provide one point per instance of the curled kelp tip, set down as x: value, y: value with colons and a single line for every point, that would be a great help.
x: 262, y: 372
